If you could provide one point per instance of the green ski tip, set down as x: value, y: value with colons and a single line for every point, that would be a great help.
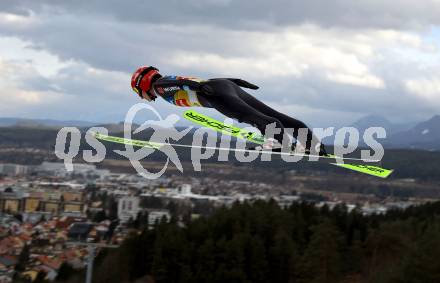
x: 367, y: 169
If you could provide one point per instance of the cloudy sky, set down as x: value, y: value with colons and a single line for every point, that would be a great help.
x: 325, y: 62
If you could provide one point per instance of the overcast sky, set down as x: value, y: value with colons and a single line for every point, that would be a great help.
x: 324, y: 62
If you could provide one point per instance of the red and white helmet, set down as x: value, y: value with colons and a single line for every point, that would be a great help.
x: 142, y: 80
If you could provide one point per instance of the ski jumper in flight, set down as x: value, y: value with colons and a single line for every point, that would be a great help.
x: 223, y: 94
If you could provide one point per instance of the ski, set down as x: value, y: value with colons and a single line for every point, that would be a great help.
x: 159, y: 145
x: 120, y: 140
x: 237, y: 132
x: 221, y: 127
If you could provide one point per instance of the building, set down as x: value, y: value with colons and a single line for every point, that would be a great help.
x: 31, y: 204
x: 128, y: 207
x: 185, y: 189
x: 52, y: 207
x: 287, y: 200
x: 72, y: 196
x: 85, y: 170
x: 157, y: 215
x: 53, y: 200
x: 11, y: 200
x: 73, y: 207
x: 13, y: 169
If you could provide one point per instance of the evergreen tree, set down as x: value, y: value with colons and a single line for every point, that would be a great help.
x: 321, y: 262
x: 282, y: 258
x: 422, y: 264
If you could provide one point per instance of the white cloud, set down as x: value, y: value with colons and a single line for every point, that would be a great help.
x: 17, y: 21
x: 201, y: 3
x: 35, y: 83
x: 15, y: 100
x: 20, y: 52
x: 252, y: 13
x: 365, y: 80
x: 238, y: 66
x: 85, y: 53
x: 426, y: 88
x: 339, y: 55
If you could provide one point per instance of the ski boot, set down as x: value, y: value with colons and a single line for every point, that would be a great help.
x: 306, y: 151
x: 268, y: 145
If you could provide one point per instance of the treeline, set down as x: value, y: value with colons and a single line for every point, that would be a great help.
x: 261, y: 242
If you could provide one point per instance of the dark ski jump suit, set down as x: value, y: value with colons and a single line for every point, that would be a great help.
x: 227, y: 97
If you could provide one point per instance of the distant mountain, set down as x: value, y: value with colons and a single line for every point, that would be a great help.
x: 37, y: 123
x: 116, y: 127
x: 425, y: 135
x: 373, y: 121
x: 379, y: 121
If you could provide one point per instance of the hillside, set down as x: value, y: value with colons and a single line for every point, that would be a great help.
x: 261, y: 242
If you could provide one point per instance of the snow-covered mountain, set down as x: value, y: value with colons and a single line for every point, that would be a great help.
x: 425, y: 135
x: 379, y: 121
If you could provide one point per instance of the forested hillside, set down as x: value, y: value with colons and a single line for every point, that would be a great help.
x: 261, y: 242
